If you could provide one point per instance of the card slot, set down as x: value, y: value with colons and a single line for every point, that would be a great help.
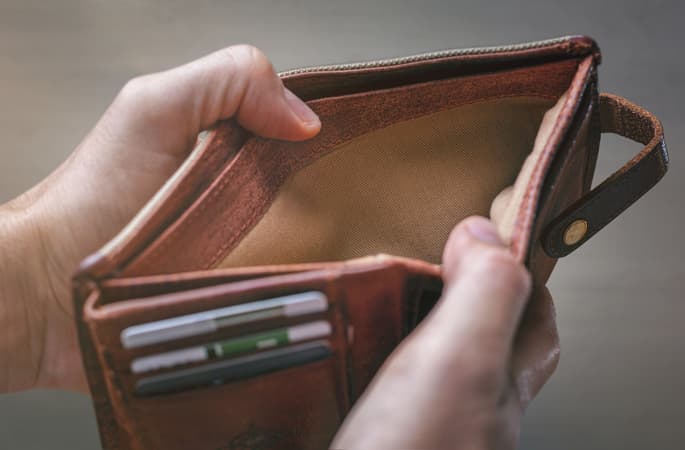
x: 367, y: 316
x: 296, y: 407
x: 121, y: 358
x: 209, y: 321
x: 235, y: 347
x: 128, y: 379
x: 124, y: 289
x: 111, y: 321
x: 232, y: 370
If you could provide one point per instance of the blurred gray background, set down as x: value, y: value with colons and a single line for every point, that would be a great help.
x: 619, y: 299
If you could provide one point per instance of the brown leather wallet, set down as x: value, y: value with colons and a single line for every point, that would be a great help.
x: 408, y: 148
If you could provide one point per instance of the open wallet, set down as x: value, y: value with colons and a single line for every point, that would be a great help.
x: 253, y: 298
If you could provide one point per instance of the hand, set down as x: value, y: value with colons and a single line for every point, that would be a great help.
x: 142, y: 138
x: 462, y: 379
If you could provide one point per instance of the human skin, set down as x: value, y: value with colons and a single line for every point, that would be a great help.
x: 469, y: 390
x: 464, y: 376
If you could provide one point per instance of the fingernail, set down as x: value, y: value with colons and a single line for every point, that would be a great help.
x: 300, y: 108
x: 484, y: 230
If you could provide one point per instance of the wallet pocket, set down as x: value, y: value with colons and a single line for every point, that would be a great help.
x: 298, y: 407
x: 263, y: 334
x: 298, y: 404
x: 295, y: 403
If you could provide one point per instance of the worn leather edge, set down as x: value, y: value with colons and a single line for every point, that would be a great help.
x: 203, y: 164
x: 568, y: 178
x: 114, y: 435
x: 625, y: 186
x: 521, y: 238
x: 329, y: 82
x: 124, y: 293
x: 104, y: 414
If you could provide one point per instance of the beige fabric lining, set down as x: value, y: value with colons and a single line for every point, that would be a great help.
x: 507, y: 203
x: 398, y: 190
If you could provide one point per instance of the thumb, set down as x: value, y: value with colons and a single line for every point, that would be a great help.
x: 485, y: 292
x: 148, y: 131
x: 167, y: 110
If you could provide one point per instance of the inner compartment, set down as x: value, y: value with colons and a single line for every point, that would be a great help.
x: 400, y: 189
x: 391, y: 171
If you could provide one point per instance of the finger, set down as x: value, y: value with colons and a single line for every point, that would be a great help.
x: 237, y: 82
x: 485, y: 292
x: 536, y: 348
x: 498, y: 208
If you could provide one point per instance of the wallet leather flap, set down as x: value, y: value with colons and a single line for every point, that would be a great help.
x: 186, y: 208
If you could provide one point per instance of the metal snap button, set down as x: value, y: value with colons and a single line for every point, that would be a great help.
x: 575, y: 232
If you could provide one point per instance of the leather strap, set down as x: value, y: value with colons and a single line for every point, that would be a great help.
x: 605, y: 202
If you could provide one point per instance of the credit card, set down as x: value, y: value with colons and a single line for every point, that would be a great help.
x: 230, y: 347
x: 234, y: 369
x: 210, y: 321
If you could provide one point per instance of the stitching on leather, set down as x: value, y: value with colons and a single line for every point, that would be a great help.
x: 625, y: 179
x: 527, y: 205
x: 210, y: 151
x: 172, y: 237
x: 224, y: 247
x: 624, y: 175
x: 548, y: 234
x: 182, y: 226
x: 525, y: 212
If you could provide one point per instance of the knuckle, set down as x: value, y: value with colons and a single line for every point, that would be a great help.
x: 129, y: 89
x: 138, y: 89
x: 134, y: 85
x: 246, y: 55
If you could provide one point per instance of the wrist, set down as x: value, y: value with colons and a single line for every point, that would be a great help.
x: 35, y: 307
x: 23, y: 317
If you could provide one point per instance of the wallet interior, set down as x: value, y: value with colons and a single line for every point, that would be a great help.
x: 398, y: 190
x: 401, y: 189
x: 392, y: 171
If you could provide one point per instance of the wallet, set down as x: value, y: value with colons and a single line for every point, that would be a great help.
x: 253, y: 298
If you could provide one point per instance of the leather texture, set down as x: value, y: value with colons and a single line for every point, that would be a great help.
x: 166, y: 263
x: 625, y: 186
x: 180, y: 195
x: 373, y: 303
